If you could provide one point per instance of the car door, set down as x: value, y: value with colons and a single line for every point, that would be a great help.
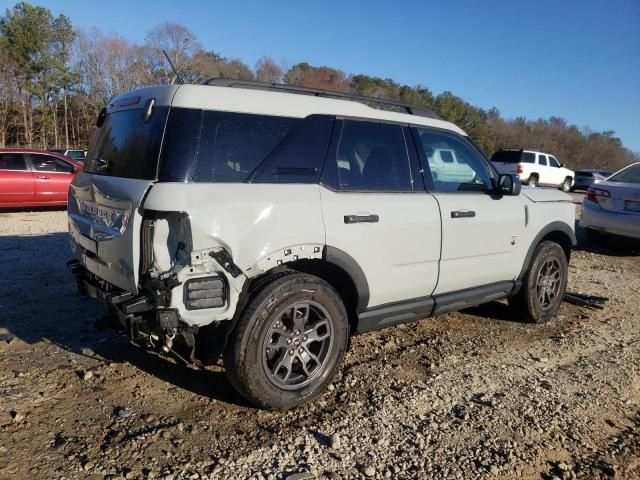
x: 480, y: 229
x: 377, y: 213
x: 16, y: 180
x: 52, y: 177
x: 546, y: 178
x: 557, y: 172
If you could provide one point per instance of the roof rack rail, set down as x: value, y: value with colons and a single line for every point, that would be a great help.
x: 252, y: 84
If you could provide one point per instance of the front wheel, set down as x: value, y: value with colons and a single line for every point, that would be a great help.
x: 543, y: 285
x: 566, y: 185
x: 288, y: 343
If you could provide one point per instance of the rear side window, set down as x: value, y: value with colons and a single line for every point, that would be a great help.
x: 127, y: 146
x: 446, y: 156
x: 210, y: 146
x: 507, y: 156
x: 47, y: 163
x: 12, y: 161
x: 529, y: 157
x: 372, y: 157
x: 542, y: 159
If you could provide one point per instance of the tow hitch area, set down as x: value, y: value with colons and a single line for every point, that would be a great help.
x: 139, y: 317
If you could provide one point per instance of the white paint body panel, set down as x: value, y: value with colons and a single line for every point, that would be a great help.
x: 262, y: 102
x: 255, y: 223
x: 399, y: 254
x: 482, y: 249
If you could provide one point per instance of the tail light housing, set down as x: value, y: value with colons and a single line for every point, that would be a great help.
x: 593, y: 194
x: 520, y: 169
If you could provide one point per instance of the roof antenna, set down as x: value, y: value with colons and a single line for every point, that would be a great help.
x: 178, y: 77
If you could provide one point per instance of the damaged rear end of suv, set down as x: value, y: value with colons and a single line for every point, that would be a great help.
x: 131, y: 222
x: 178, y: 216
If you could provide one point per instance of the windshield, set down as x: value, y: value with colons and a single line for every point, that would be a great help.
x: 127, y: 146
x: 630, y: 174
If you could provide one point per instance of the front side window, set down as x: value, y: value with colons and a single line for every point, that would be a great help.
x: 553, y: 162
x: 372, y: 157
x: 454, y: 165
x: 542, y: 160
x: 47, y: 163
x: 12, y: 161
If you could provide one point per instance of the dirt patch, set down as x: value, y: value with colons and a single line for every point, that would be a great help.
x: 464, y: 395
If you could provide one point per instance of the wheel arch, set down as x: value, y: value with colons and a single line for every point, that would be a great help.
x: 558, y: 232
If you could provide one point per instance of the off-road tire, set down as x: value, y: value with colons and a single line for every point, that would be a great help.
x: 566, y: 185
x: 244, y: 360
x: 526, y: 304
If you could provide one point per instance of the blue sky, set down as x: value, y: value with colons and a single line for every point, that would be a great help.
x: 576, y: 59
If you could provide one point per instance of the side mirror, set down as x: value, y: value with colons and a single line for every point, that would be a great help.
x: 509, y: 185
x: 76, y: 168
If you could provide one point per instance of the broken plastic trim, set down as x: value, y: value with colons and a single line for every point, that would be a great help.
x: 224, y: 259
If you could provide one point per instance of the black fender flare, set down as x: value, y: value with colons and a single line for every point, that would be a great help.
x: 550, y: 228
x: 347, y: 263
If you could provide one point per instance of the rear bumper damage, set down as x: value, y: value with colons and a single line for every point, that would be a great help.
x: 137, y: 315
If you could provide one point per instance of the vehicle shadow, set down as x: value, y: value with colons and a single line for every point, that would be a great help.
x: 606, y: 244
x: 31, y: 209
x: 496, y: 310
x: 39, y: 302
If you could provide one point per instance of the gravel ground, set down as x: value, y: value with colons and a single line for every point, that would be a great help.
x: 461, y: 396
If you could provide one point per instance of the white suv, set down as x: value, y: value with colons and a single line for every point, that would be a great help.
x: 268, y: 223
x: 534, y: 168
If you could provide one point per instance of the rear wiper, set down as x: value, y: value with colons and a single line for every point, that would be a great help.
x: 101, y: 162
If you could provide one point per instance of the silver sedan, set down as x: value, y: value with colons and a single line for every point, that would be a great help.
x: 613, y: 205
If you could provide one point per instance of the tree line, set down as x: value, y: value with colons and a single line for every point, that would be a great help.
x: 57, y: 77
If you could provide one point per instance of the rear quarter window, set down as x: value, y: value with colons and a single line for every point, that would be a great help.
x: 211, y: 146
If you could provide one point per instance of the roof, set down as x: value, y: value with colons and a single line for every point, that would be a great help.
x: 261, y: 102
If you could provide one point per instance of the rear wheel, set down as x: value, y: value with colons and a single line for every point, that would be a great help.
x: 288, y: 343
x: 566, y: 185
x: 533, y: 181
x: 543, y: 285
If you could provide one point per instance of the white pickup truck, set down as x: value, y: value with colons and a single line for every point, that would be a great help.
x: 534, y: 168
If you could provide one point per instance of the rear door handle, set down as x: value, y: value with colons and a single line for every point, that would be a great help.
x: 361, y: 219
x: 463, y: 214
x: 42, y: 177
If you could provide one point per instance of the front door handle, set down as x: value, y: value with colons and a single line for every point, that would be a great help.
x: 463, y: 214
x: 361, y: 219
x: 42, y: 177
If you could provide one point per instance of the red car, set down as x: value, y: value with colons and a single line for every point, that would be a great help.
x: 32, y: 178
